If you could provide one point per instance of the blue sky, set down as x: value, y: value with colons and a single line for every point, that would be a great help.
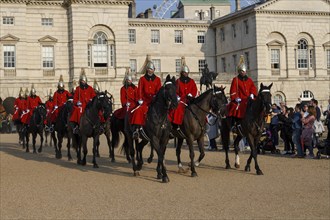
x: 142, y: 5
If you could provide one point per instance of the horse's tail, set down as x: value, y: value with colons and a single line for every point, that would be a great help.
x: 114, y: 131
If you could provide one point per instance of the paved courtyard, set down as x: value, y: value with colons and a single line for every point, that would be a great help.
x: 38, y: 186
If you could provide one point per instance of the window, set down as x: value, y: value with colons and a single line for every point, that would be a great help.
x: 178, y: 35
x: 177, y: 65
x: 48, y: 57
x: 100, y: 50
x: 201, y: 37
x: 131, y: 36
x: 233, y: 28
x: 222, y: 34
x: 47, y: 22
x: 217, y: 13
x: 223, y: 62
x: 275, y: 58
x: 201, y: 65
x: 246, y: 27
x: 328, y: 59
x: 9, y: 56
x: 235, y: 61
x: 311, y: 52
x: 247, y: 60
x: 8, y: 20
x: 89, y: 57
x: 157, y: 65
x: 306, y: 95
x: 155, y: 36
x: 197, y: 14
x: 206, y: 13
x: 132, y: 65
x: 302, y: 54
x: 112, y: 55
x: 278, y: 98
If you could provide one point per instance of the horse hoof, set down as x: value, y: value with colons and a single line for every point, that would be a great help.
x: 247, y: 169
x: 194, y: 174
x: 58, y: 156
x: 39, y: 150
x: 181, y: 170
x: 69, y: 158
x: 78, y: 162
x: 228, y: 166
x: 113, y: 160
x: 27, y: 151
x: 97, y: 155
x: 237, y: 165
x: 149, y: 160
x: 95, y: 166
x: 136, y: 173
x: 259, y: 172
x: 83, y: 163
x: 159, y: 176
x: 34, y: 151
x: 165, y: 179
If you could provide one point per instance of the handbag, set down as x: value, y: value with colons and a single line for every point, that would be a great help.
x: 318, y: 127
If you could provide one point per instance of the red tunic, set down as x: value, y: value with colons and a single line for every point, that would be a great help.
x: 20, y: 105
x: 84, y: 95
x: 240, y: 88
x: 184, y: 86
x: 49, y: 108
x: 127, y: 95
x: 59, y: 99
x: 32, y: 103
x: 147, y: 89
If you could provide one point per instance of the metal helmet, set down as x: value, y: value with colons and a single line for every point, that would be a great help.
x: 150, y: 65
x: 50, y: 96
x: 96, y: 86
x: 26, y: 92
x: 60, y: 84
x: 127, y: 78
x: 83, y: 76
x: 33, y: 90
x: 21, y: 93
x: 241, y: 65
x: 185, y: 69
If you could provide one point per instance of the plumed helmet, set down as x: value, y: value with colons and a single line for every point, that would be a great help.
x: 50, y: 95
x: 33, y: 90
x: 185, y: 69
x: 83, y: 76
x: 60, y: 84
x: 127, y: 78
x: 26, y: 92
x: 96, y: 86
x: 150, y: 65
x: 21, y: 93
x: 241, y: 65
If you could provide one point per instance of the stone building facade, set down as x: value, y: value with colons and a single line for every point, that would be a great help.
x: 43, y: 39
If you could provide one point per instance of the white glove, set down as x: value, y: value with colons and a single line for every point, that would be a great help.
x: 16, y: 108
x: 55, y: 107
x: 128, y: 104
x: 178, y: 97
x: 252, y: 96
x: 238, y: 100
x: 140, y: 102
x: 78, y: 103
x: 190, y: 95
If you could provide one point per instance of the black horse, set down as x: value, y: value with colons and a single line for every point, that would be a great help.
x: 250, y: 127
x: 90, y: 125
x: 156, y: 129
x: 35, y: 127
x: 194, y: 123
x: 207, y: 80
x: 61, y: 129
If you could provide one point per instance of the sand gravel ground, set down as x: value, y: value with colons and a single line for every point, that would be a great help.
x: 38, y: 186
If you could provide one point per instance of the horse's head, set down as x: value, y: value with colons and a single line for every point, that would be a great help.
x: 219, y: 100
x: 169, y: 92
x: 41, y: 110
x: 266, y: 97
x: 104, y: 102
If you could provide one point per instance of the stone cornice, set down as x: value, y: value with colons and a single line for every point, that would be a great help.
x: 9, y: 37
x: 98, y: 2
x: 166, y: 23
x: 280, y: 12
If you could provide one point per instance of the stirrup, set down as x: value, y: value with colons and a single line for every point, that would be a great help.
x: 136, y: 134
x: 76, y: 130
x: 46, y: 128
x: 234, y: 129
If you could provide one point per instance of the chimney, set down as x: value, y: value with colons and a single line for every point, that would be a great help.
x: 201, y: 15
x: 148, y: 13
x: 132, y: 10
x: 237, y: 5
x: 212, y: 12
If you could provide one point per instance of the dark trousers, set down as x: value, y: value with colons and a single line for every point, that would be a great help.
x: 274, y: 130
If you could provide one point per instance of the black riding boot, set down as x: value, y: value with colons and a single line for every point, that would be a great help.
x: 75, y: 127
x: 135, y: 129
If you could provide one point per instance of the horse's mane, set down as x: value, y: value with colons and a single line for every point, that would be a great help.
x: 201, y: 97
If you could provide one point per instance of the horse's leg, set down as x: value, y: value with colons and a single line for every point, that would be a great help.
x: 162, y: 168
x: 78, y: 144
x: 255, y: 155
x: 225, y: 137
x: 96, y: 141
x: 201, y: 151
x: 34, y: 138
x: 127, y: 152
x: 178, y: 155
x: 97, y: 147
x: 111, y: 150
x: 85, y: 150
x: 247, y: 166
x: 60, y: 141
x: 139, y: 150
x: 236, y: 148
x: 192, y: 156
x: 151, y: 156
x: 68, y: 145
x: 41, y: 140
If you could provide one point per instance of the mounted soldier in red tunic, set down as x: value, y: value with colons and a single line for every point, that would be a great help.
x: 186, y: 89
x: 128, y: 98
x: 148, y: 86
x: 32, y: 102
x: 49, y: 107
x: 242, y: 90
x: 20, y: 105
x: 83, y: 94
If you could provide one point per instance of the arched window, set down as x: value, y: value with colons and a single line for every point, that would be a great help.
x: 306, y: 95
x: 302, y: 54
x: 278, y: 98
